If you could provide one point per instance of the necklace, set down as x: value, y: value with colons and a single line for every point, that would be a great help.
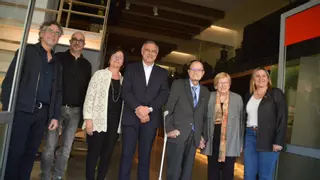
x: 112, y: 88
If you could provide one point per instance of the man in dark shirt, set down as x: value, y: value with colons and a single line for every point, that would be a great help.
x: 38, y: 100
x: 76, y: 77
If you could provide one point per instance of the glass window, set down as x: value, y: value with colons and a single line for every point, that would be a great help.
x: 302, y: 90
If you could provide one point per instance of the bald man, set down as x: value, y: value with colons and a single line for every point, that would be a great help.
x: 76, y: 77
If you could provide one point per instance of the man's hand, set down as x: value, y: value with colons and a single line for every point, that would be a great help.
x: 145, y: 119
x: 89, y: 127
x: 142, y: 111
x: 53, y: 125
x: 173, y: 134
x: 202, y: 144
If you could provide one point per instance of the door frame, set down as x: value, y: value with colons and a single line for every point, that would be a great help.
x: 290, y: 148
x: 7, y: 117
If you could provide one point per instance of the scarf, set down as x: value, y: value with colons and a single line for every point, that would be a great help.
x: 221, y: 116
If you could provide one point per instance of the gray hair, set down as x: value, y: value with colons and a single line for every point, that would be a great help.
x: 151, y: 42
x: 46, y: 24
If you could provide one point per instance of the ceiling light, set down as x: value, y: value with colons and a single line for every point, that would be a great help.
x: 181, y: 53
x: 155, y: 11
x: 127, y: 5
x: 219, y: 28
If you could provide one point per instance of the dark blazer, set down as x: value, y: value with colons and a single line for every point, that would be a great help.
x: 182, y: 114
x: 28, y: 85
x: 135, y: 92
x: 272, y: 119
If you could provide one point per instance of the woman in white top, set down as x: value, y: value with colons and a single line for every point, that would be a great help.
x: 266, y: 123
x: 102, y: 113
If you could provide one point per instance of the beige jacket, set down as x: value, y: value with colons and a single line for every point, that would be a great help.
x: 96, y: 102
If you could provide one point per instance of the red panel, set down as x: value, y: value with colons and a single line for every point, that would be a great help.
x: 303, y: 26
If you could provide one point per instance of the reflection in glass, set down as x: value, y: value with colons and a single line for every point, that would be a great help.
x: 3, y: 132
x: 295, y: 167
x: 302, y: 89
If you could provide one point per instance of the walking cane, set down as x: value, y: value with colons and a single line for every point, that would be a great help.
x: 164, y: 143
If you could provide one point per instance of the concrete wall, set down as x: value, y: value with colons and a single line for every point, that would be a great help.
x: 19, y: 14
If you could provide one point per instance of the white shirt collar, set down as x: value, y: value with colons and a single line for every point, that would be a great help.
x: 146, y: 66
x: 197, y: 86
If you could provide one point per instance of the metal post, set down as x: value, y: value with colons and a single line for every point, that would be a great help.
x: 106, y: 16
x: 104, y: 38
x: 16, y: 78
x: 282, y: 55
x: 60, y: 11
x: 69, y: 14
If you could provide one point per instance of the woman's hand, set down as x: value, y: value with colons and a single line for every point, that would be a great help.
x: 202, y: 144
x: 276, y: 148
x: 89, y: 127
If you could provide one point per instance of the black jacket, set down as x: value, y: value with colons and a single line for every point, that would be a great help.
x: 272, y: 119
x: 28, y: 85
x: 135, y: 92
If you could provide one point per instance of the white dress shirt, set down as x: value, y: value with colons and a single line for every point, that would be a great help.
x: 147, y: 71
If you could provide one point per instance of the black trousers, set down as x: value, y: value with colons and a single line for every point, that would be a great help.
x: 26, y: 135
x: 215, y: 168
x: 180, y: 159
x: 100, y: 146
x: 131, y: 135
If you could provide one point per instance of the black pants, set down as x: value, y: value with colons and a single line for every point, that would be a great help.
x: 180, y: 159
x: 215, y: 168
x: 27, y: 132
x: 131, y: 135
x: 100, y: 145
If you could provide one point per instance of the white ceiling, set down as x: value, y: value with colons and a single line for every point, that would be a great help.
x: 223, y: 5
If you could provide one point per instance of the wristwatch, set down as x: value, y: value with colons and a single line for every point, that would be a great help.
x: 150, y: 109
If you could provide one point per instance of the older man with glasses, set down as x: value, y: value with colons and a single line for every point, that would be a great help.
x: 38, y: 100
x: 76, y: 77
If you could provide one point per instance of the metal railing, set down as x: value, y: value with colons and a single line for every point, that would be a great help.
x: 71, y: 11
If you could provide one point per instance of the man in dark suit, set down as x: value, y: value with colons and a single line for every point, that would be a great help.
x: 145, y: 90
x: 185, y: 123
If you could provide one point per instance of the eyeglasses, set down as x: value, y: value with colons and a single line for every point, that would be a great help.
x: 150, y: 51
x: 117, y: 57
x: 75, y: 40
x: 223, y: 83
x: 196, y: 70
x: 57, y: 33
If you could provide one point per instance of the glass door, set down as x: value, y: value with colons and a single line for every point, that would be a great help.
x: 15, y: 20
x: 299, y: 77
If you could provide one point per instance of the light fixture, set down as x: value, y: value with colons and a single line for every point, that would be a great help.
x: 127, y: 5
x: 181, y: 53
x: 155, y: 11
x: 221, y: 29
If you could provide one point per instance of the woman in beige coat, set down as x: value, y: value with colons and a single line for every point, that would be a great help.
x: 102, y: 113
x: 225, y: 129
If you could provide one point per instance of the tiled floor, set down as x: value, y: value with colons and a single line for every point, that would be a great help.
x: 76, y: 166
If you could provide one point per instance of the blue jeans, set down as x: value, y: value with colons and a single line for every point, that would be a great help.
x: 255, y: 162
x: 70, y: 118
